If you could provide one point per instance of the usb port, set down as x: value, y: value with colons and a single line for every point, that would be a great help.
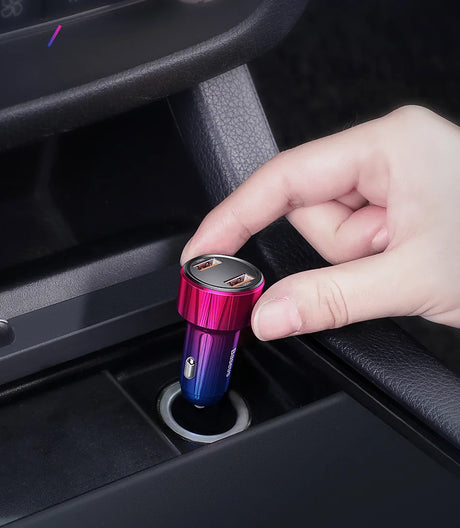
x: 207, y: 264
x: 239, y: 281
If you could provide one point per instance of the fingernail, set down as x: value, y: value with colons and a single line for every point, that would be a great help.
x: 380, y: 240
x: 276, y: 318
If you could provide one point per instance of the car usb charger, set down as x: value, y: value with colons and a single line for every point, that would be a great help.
x: 216, y: 297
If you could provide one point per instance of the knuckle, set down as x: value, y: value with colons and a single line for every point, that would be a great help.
x: 331, y: 303
x: 280, y: 159
x: 409, y: 114
x: 245, y: 232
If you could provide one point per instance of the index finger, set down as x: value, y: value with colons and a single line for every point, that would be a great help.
x: 310, y: 174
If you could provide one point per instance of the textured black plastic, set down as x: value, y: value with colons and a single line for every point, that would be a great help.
x: 70, y: 439
x: 126, y: 58
x: 329, y: 464
x: 224, y: 126
x: 225, y: 130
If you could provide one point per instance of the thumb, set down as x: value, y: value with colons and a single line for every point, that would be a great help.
x: 377, y: 286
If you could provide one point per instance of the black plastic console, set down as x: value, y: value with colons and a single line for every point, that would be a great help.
x: 92, y: 338
x: 86, y: 444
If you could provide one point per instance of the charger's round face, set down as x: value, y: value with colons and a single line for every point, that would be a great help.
x: 223, y: 273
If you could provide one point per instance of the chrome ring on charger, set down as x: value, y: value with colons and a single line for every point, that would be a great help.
x: 167, y: 398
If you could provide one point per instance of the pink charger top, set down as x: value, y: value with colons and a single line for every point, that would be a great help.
x: 216, y: 308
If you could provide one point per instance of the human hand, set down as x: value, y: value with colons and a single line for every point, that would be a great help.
x: 380, y: 201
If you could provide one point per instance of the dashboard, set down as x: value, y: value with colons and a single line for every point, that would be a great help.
x: 67, y: 62
x: 99, y: 38
x: 15, y: 14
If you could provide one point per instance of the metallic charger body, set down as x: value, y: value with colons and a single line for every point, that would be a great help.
x: 215, y: 312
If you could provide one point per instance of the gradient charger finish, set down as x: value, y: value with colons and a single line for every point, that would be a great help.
x: 215, y: 314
